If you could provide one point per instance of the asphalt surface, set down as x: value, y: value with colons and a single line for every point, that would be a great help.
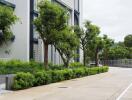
x: 113, y: 85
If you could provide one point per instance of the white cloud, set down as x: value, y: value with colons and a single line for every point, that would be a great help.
x: 113, y: 16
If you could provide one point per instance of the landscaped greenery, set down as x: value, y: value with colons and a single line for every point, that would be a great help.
x: 15, y: 66
x: 96, y: 47
x: 50, y: 24
x: 29, y: 74
x: 27, y: 80
x: 7, y: 19
x: 67, y: 45
x: 128, y: 41
x: 53, y: 28
x: 120, y: 50
x: 91, y: 43
x: 87, y: 36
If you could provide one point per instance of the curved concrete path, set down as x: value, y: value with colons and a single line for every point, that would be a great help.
x: 114, y: 85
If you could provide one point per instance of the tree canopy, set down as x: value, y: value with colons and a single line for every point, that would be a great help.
x: 66, y: 46
x: 51, y: 20
x: 128, y: 41
x: 86, y: 36
x: 7, y: 19
x: 119, y: 51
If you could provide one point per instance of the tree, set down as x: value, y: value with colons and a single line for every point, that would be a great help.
x: 128, y: 40
x: 108, y: 43
x: 97, y: 47
x: 51, y: 20
x: 67, y: 45
x: 128, y: 44
x: 121, y: 50
x: 118, y: 52
x: 82, y: 36
x: 7, y: 19
x: 86, y: 36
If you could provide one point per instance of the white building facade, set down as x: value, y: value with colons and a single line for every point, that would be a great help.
x: 27, y: 44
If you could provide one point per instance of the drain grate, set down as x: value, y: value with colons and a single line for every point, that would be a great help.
x: 74, y: 80
x: 63, y: 87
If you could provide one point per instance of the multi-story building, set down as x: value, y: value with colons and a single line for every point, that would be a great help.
x: 27, y: 44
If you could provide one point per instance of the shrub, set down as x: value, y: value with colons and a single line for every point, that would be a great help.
x: 68, y: 74
x: 79, y: 72
x: 94, y: 70
x: 57, y: 75
x: 2, y: 67
x: 42, y: 78
x: 75, y: 65
x: 15, y: 66
x: 26, y: 80
x: 87, y: 71
x: 23, y: 81
x: 105, y: 69
x: 55, y: 67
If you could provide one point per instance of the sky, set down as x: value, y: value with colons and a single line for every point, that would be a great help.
x: 114, y: 17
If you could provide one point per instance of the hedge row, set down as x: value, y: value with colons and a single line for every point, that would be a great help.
x: 27, y: 80
x: 15, y: 66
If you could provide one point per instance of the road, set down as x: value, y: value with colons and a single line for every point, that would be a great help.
x: 113, y: 85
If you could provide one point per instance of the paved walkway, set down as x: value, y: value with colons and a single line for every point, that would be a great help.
x: 114, y: 85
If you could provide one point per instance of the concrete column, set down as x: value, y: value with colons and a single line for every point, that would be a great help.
x: 9, y: 81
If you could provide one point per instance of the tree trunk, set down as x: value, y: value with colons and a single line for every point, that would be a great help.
x: 84, y: 57
x: 96, y: 57
x: 46, y: 55
x: 106, y: 58
x: 66, y: 64
x: 64, y: 60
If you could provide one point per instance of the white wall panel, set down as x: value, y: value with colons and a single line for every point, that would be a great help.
x: 19, y: 49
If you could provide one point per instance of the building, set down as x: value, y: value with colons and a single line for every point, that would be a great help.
x: 27, y: 44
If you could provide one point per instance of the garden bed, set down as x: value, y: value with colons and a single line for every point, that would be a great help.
x: 26, y: 80
x: 30, y: 74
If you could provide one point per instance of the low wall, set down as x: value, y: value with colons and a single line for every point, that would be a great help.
x: 7, y: 80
